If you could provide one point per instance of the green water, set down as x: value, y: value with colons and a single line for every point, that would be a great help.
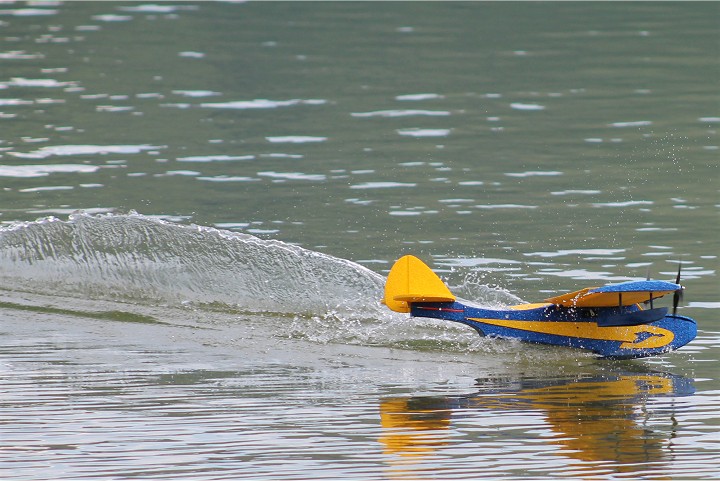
x: 521, y: 149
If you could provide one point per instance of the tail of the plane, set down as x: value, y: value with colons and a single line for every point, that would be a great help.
x: 410, y: 280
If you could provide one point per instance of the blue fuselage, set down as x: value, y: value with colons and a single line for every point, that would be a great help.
x: 612, y: 332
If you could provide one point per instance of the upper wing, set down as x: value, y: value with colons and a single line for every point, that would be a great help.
x: 613, y: 295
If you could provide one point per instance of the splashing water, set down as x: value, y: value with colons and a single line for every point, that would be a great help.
x: 474, y: 287
x: 137, y: 258
x: 143, y: 260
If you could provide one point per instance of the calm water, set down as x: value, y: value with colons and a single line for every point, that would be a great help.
x: 199, y: 203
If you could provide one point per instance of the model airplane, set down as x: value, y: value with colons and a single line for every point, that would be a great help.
x: 614, y: 321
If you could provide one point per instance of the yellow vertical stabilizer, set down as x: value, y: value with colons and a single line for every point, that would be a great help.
x: 410, y: 280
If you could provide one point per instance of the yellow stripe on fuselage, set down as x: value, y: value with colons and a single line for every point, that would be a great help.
x: 590, y: 330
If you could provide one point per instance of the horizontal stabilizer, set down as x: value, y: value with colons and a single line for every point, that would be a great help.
x: 621, y: 294
x: 423, y: 298
x: 410, y: 280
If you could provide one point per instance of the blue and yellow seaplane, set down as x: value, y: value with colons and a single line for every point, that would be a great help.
x: 617, y: 321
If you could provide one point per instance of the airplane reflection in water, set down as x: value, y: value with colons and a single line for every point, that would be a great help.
x: 592, y: 419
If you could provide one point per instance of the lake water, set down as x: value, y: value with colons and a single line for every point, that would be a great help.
x: 199, y: 203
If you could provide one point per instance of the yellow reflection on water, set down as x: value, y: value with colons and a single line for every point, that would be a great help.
x: 411, y: 425
x: 596, y: 421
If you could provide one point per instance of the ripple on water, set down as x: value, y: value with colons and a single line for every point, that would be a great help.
x: 214, y: 158
x: 227, y: 178
x: 196, y: 93
x: 262, y: 104
x: 284, y: 176
x: 626, y: 203
x: 526, y: 106
x: 420, y: 133
x: 19, y: 55
x: 535, y: 173
x: 68, y: 150
x: 29, y: 12
x: 418, y: 97
x: 382, y: 185
x: 112, y: 18
x: 505, y: 206
x: 26, y: 171
x: 295, y: 139
x: 401, y: 113
x: 43, y: 83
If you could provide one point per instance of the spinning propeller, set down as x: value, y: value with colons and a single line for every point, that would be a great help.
x: 678, y: 295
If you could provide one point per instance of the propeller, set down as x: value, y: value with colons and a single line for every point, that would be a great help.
x: 677, y: 297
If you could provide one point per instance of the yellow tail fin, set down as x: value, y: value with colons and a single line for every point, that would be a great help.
x: 410, y: 280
